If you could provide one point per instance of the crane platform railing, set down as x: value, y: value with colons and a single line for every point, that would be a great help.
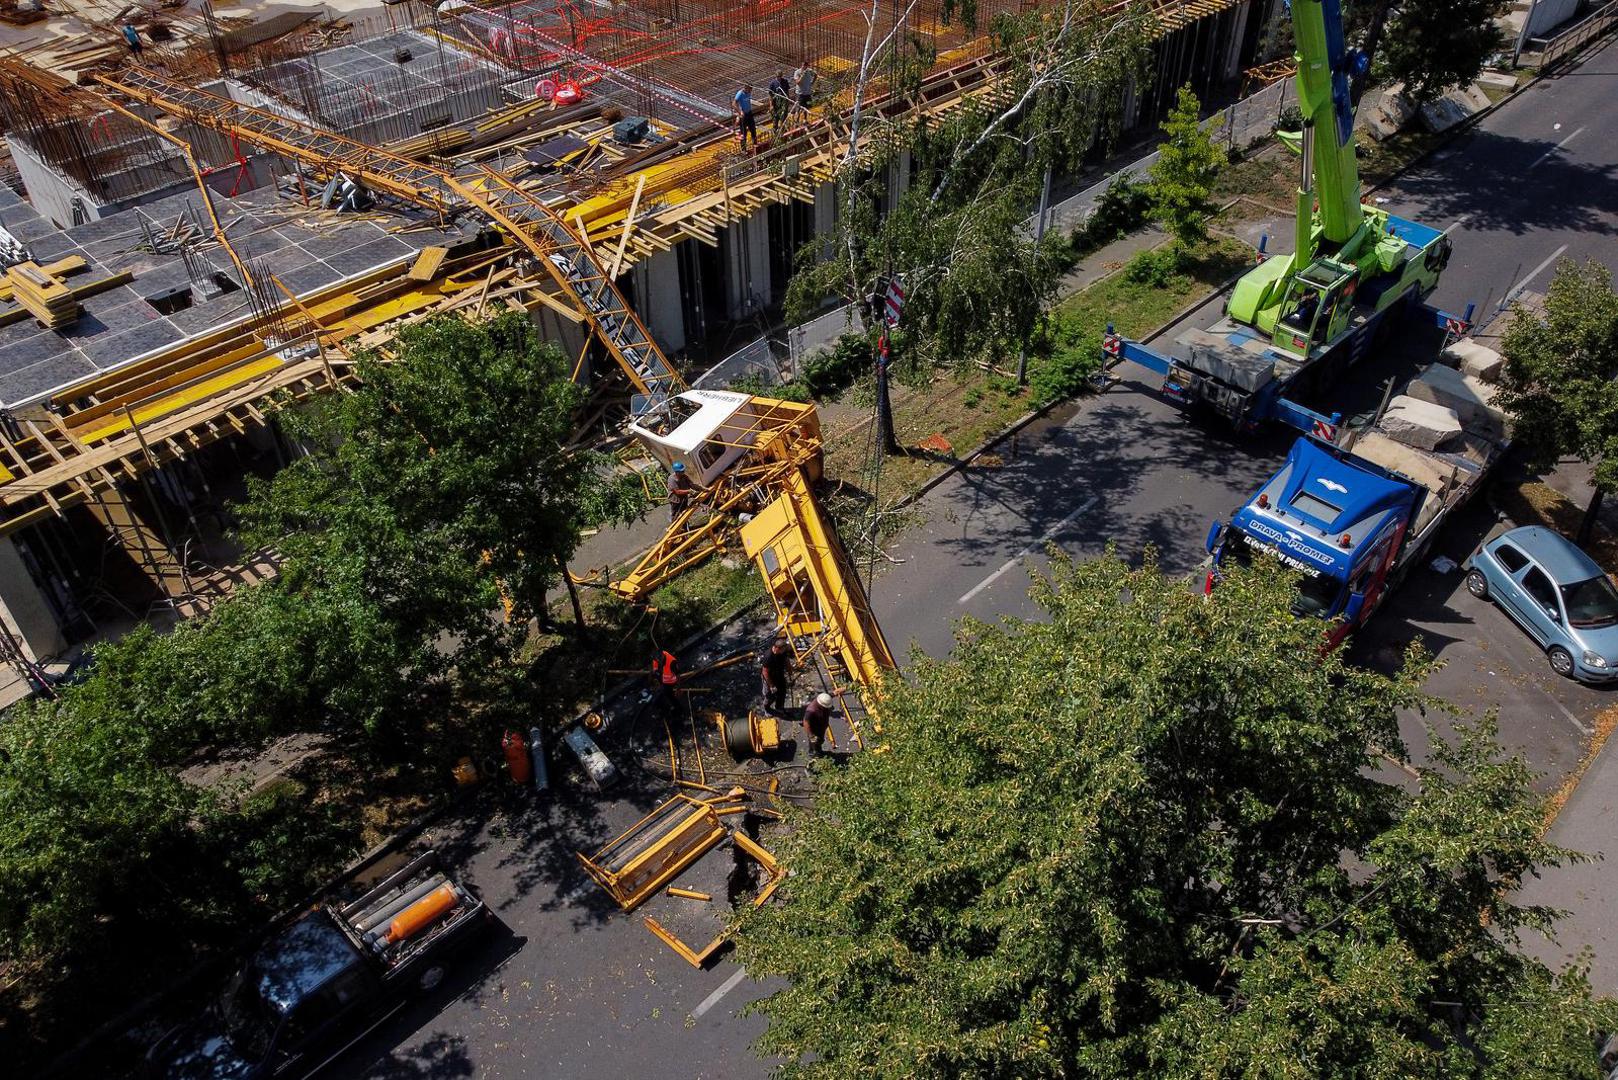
x: 568, y: 259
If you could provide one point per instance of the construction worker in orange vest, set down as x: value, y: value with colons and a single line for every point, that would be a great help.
x: 665, y: 678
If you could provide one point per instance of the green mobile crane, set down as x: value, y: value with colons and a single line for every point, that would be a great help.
x: 1297, y: 321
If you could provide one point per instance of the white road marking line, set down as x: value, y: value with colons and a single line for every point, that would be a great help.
x: 1025, y: 552
x: 1546, y: 156
x: 1532, y: 274
x: 713, y: 999
x: 1457, y: 223
x: 1574, y: 720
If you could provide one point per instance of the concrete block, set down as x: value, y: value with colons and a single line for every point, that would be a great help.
x: 1497, y: 80
x: 1472, y: 400
x: 1388, y: 113
x: 1478, y: 361
x: 1453, y: 107
x: 1421, y: 424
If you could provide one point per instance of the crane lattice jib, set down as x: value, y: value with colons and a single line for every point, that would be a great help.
x: 560, y: 250
x: 1324, y: 99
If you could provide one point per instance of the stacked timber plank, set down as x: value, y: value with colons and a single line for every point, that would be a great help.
x: 43, y: 295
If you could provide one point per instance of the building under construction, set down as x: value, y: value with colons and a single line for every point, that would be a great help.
x: 213, y: 233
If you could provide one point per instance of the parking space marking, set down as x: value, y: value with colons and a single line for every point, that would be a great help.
x: 1025, y: 552
x: 714, y: 998
x: 1584, y: 729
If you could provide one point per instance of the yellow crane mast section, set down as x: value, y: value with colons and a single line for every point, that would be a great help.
x: 564, y: 255
x: 817, y: 595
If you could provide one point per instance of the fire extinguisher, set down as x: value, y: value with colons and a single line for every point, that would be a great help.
x: 516, y: 751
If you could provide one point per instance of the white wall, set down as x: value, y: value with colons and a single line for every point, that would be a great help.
x: 657, y: 292
x: 24, y: 608
x: 50, y: 192
x: 1548, y: 15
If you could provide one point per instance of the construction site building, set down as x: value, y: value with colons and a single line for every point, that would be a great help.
x: 166, y: 280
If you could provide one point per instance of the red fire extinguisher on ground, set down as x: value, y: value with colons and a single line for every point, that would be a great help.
x: 516, y: 750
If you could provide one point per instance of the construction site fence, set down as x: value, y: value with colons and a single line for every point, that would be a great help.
x: 1569, y: 42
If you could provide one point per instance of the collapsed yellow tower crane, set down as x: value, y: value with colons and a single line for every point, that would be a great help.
x: 754, y: 459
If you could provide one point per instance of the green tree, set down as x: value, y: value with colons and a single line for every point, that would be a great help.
x: 1183, y: 176
x: 976, y: 280
x: 86, y: 812
x: 1559, y: 384
x: 1110, y: 843
x: 1432, y: 45
x: 444, y: 482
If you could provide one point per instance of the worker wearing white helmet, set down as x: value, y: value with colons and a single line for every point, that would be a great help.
x: 817, y: 722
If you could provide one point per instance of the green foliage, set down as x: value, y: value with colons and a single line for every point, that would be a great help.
x: 444, y: 478
x: 1156, y: 267
x: 1434, y: 45
x: 86, y: 810
x: 1123, y: 208
x: 1110, y: 843
x: 438, y: 480
x: 1069, y: 359
x: 1184, y: 174
x: 1560, y: 371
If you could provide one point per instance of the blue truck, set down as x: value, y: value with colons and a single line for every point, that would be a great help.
x: 1297, y: 322
x: 1353, y: 516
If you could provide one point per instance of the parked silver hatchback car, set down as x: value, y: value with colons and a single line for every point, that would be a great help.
x: 1555, y: 592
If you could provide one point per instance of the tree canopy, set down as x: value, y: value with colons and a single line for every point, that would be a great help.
x: 439, y: 481
x: 1433, y: 45
x: 1560, y: 370
x: 1145, y: 836
x: 1184, y: 174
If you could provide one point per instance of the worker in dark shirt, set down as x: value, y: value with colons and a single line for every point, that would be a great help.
x: 780, y: 101
x: 681, y: 489
x: 817, y: 723
x: 776, y: 672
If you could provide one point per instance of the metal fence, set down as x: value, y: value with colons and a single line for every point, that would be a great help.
x: 1556, y: 49
x: 1238, y: 125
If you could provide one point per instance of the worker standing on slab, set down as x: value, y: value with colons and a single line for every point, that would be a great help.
x: 805, y: 79
x: 817, y: 723
x: 743, y: 105
x: 776, y: 673
x: 681, y: 489
x: 780, y: 101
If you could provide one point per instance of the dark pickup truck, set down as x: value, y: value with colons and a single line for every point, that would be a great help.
x: 327, y: 981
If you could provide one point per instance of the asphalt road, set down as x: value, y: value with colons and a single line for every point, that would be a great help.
x: 571, y: 987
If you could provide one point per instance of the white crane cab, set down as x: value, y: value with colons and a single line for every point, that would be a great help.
x: 711, y: 430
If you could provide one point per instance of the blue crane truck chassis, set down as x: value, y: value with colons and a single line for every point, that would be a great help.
x: 1352, y: 519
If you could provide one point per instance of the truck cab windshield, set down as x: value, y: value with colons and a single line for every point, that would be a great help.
x: 250, y: 1021
x: 1317, y: 596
